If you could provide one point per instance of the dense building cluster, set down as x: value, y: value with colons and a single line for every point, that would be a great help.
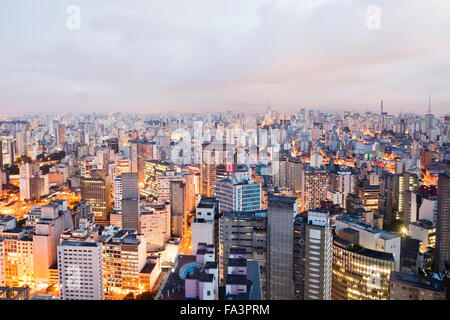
x: 232, y: 206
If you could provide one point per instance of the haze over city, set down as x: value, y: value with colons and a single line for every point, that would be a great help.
x: 192, y: 56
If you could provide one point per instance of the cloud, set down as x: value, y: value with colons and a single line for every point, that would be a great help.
x: 216, y: 55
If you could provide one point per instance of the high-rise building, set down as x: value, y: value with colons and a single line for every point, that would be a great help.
x: 359, y: 273
x: 443, y: 222
x: 245, y: 231
x: 17, y: 255
x: 318, y: 255
x: 153, y: 169
x: 280, y: 248
x: 52, y: 223
x: 61, y: 135
x: 80, y: 270
x: 316, y: 184
x: 155, y: 226
x: 204, y: 224
x: 239, y: 193
x: 124, y: 254
x: 97, y: 192
x: 289, y: 174
x: 177, y: 208
x: 130, y: 201
x: 141, y: 150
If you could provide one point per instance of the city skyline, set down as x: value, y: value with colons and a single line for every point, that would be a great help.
x: 194, y: 57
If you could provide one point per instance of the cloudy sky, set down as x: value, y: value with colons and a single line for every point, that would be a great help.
x: 200, y: 55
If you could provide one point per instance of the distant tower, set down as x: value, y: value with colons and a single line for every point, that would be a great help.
x: 429, y: 105
x: 381, y: 107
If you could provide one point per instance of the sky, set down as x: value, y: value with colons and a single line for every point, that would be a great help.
x: 210, y: 55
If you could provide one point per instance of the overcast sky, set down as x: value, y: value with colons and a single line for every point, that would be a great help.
x: 200, y: 55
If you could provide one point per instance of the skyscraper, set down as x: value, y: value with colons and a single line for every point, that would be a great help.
x: 80, y: 270
x: 318, y: 256
x: 238, y: 193
x: 280, y: 236
x: 245, y: 230
x: 130, y: 201
x: 97, y: 191
x: 443, y: 222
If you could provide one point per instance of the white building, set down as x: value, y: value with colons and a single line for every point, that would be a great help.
x: 118, y: 193
x: 80, y: 270
x: 318, y: 254
x: 202, y: 226
x: 155, y: 225
x: 373, y: 238
x: 47, y: 235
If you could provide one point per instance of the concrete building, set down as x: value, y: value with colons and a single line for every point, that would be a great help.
x: 372, y: 238
x: 205, y: 223
x: 97, y: 192
x: 414, y: 287
x: 359, y: 273
x: 443, y: 222
x: 245, y: 231
x: 155, y: 226
x: 280, y: 231
x: 239, y: 193
x: 318, y: 255
x: 80, y: 270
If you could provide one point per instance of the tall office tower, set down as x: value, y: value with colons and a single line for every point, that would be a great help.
x: 26, y: 172
x: 177, y: 208
x: 300, y: 222
x: 80, y: 270
x: 318, y: 255
x: 84, y: 217
x: 371, y: 237
x: 164, y: 185
x: 280, y: 230
x: 21, y: 147
x: 155, y: 226
x: 97, y: 191
x: 118, y: 193
x: 246, y: 231
x: 289, y: 174
x: 344, y: 183
x: 140, y: 151
x: 17, y: 253
x: 393, y: 199
x: 212, y: 155
x: 122, y: 165
x: 316, y: 184
x: 46, y: 237
x: 1, y: 155
x: 443, y: 222
x: 404, y: 183
x: 386, y: 201
x: 238, y: 193
x: 8, y: 149
x: 103, y: 159
x: 61, y: 135
x: 204, y: 225
x: 113, y: 144
x: 359, y: 273
x: 153, y: 169
x: 124, y: 257
x: 130, y: 201
x: 2, y: 262
x: 369, y: 196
